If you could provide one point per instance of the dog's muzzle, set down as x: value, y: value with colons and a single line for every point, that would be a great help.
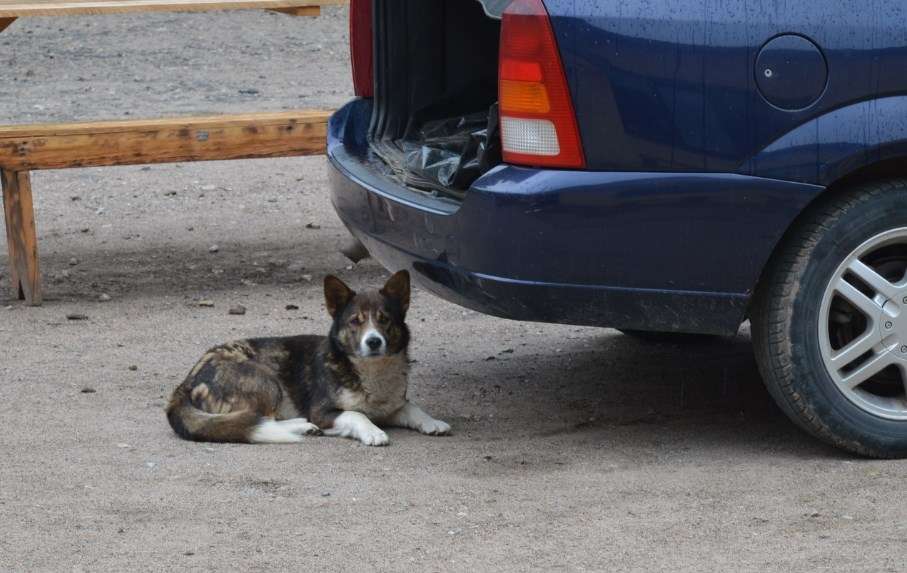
x: 373, y: 344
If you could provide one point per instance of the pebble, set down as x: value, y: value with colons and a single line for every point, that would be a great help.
x: 133, y: 367
x: 85, y: 230
x: 208, y: 187
x: 73, y: 261
x: 307, y: 278
x: 292, y: 307
x: 76, y: 316
x: 313, y: 226
x: 237, y: 310
x: 206, y: 303
x: 326, y: 494
x: 103, y: 297
x: 88, y: 390
x: 213, y: 249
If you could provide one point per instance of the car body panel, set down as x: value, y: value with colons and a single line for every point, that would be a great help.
x: 626, y: 246
x: 668, y: 85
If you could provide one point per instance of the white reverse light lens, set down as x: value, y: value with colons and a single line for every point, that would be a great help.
x: 529, y: 136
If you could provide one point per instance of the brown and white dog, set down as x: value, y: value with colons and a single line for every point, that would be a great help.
x: 275, y: 390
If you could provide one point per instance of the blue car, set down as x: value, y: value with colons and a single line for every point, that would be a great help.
x: 662, y: 166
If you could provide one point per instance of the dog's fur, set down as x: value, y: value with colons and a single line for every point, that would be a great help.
x: 275, y: 390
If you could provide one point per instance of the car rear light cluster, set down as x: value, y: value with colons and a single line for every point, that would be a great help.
x: 538, y: 124
x: 361, y: 47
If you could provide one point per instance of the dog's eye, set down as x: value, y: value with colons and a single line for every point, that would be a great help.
x: 382, y: 318
x: 356, y: 321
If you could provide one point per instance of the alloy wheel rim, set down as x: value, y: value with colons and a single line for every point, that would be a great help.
x: 863, y: 325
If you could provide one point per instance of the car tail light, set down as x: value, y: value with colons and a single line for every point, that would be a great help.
x: 538, y: 124
x: 361, y: 47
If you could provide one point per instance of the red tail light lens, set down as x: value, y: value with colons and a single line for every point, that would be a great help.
x: 361, y: 47
x: 538, y: 124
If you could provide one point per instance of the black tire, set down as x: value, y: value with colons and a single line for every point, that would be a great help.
x: 671, y: 337
x: 786, y: 313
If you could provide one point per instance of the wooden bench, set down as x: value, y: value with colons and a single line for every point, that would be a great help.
x: 26, y: 148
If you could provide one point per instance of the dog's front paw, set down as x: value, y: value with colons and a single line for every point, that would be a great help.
x: 374, y: 437
x: 434, y: 427
x: 301, y: 426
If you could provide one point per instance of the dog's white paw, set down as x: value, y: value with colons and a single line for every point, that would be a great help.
x: 300, y: 426
x: 434, y: 427
x: 373, y: 437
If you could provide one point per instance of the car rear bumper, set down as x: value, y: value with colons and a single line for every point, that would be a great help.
x: 651, y: 251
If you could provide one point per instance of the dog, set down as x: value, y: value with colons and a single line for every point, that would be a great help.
x: 276, y: 390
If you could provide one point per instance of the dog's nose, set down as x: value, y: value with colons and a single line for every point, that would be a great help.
x: 373, y: 342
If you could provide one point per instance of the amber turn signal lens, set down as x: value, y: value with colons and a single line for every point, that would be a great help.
x: 524, y: 97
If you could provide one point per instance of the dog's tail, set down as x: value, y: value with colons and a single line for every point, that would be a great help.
x: 245, y: 426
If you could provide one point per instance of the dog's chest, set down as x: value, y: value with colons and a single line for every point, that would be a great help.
x: 382, y: 389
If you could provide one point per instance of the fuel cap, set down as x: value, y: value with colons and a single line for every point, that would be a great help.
x: 791, y: 72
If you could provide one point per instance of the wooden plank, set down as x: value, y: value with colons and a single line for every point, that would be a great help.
x: 5, y: 22
x: 18, y: 8
x: 300, y: 11
x: 21, y: 238
x: 95, y: 144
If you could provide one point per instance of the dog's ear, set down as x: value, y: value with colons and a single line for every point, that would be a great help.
x: 336, y: 295
x: 397, y: 288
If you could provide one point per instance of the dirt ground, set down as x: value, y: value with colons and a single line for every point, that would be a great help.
x: 573, y: 448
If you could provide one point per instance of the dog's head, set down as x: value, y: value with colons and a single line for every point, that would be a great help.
x: 369, y: 324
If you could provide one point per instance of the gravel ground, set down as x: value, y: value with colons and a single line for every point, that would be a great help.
x: 573, y: 448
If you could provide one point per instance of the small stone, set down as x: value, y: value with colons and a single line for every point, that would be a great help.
x: 76, y: 316
x: 508, y: 351
x: 73, y: 261
x: 190, y: 228
x: 326, y: 494
x: 292, y: 307
x: 75, y: 198
x: 85, y: 230
x: 248, y: 91
x: 487, y: 458
x: 103, y: 297
x: 206, y: 303
x: 170, y: 194
x: 189, y: 553
x: 313, y: 226
x: 100, y: 211
x: 146, y: 168
x: 208, y: 187
x: 150, y: 464
x: 237, y: 310
x: 487, y: 359
x: 213, y: 249
x: 133, y: 367
x: 88, y: 390
x: 123, y: 446
x: 307, y: 278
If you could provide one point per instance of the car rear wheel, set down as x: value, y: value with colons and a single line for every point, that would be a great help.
x: 830, y: 321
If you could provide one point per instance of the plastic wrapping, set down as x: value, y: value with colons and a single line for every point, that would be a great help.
x: 447, y: 155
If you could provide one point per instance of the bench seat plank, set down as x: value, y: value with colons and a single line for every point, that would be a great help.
x: 131, y: 142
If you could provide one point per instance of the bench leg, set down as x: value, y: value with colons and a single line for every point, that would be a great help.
x: 20, y: 236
